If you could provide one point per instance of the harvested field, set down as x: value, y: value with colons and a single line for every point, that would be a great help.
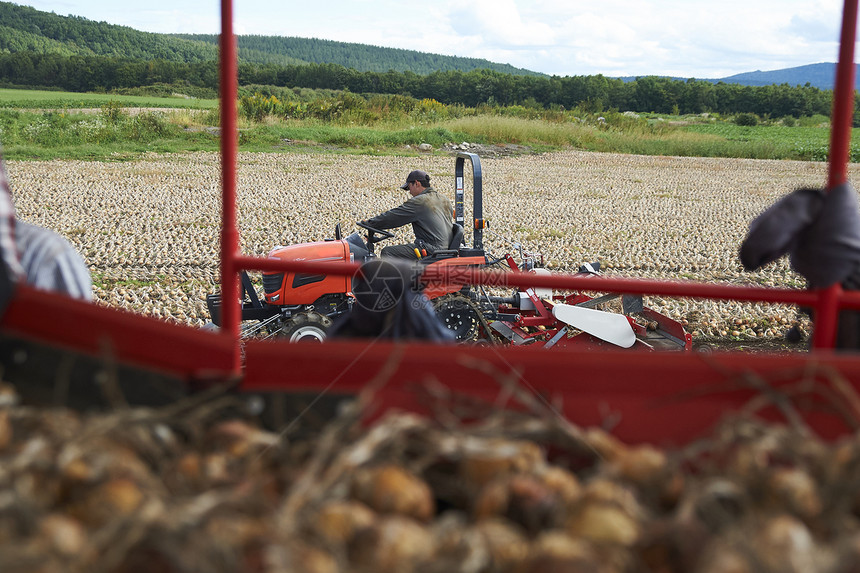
x: 149, y: 229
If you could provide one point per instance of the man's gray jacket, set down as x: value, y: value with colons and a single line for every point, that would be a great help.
x: 430, y: 213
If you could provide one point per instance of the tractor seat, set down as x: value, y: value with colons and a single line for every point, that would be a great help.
x: 456, y: 237
x: 453, y: 249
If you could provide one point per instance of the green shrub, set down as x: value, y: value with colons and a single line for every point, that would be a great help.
x: 746, y: 119
x: 816, y: 120
x: 150, y: 126
x: 113, y: 111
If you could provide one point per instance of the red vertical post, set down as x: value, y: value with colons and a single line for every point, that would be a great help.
x: 843, y: 98
x: 841, y: 118
x: 229, y: 145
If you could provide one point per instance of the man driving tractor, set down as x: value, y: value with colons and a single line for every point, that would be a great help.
x: 429, y: 212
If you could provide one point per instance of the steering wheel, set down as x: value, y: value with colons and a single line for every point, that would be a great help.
x: 371, y: 236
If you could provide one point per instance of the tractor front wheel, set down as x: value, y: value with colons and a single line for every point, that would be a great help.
x: 306, y: 327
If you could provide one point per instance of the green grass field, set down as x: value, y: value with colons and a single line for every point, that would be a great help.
x: 39, y: 99
x: 49, y: 124
x: 778, y: 141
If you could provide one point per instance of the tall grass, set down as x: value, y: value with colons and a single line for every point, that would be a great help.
x: 361, y: 139
x: 41, y: 99
x: 501, y: 129
x: 325, y: 120
x: 112, y: 133
x: 639, y: 138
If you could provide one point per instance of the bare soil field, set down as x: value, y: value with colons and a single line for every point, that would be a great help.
x: 149, y: 229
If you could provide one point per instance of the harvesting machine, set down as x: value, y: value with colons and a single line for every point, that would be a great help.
x: 59, y: 350
x: 302, y: 306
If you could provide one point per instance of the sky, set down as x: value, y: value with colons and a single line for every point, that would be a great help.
x: 679, y: 38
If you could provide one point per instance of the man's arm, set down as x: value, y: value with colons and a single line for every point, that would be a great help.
x: 51, y: 262
x: 397, y: 217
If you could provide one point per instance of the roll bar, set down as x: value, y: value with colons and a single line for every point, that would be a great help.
x: 478, y: 223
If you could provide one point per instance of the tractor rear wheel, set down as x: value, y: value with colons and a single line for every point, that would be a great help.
x: 460, y: 316
x: 306, y: 327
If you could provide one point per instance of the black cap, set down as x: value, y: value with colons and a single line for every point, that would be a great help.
x: 416, y: 175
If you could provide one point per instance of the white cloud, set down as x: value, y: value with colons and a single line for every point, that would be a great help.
x: 499, y: 24
x: 686, y: 38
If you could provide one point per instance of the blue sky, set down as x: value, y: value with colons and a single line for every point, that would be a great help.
x: 686, y: 38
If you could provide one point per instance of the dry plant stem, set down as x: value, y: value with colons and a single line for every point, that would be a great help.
x: 330, y: 460
x: 805, y: 383
x: 110, y: 382
x: 440, y: 403
x: 190, y: 409
x: 511, y: 386
x: 449, y: 408
x: 834, y: 398
x: 833, y: 388
x: 115, y: 541
x: 847, y: 392
x: 770, y: 395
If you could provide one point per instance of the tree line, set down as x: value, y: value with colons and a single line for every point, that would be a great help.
x: 362, y: 57
x: 452, y: 87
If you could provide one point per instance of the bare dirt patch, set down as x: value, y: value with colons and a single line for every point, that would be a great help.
x: 759, y: 346
x: 491, y: 150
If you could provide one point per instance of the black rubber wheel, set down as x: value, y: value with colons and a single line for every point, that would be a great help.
x: 306, y: 327
x: 459, y: 316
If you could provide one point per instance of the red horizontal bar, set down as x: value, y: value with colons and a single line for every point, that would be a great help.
x: 462, y: 275
x: 654, y: 397
x: 274, y: 265
x: 96, y: 330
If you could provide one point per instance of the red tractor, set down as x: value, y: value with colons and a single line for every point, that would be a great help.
x: 301, y: 307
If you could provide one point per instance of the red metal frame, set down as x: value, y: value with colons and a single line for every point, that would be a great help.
x: 181, y: 351
x: 229, y: 146
x: 659, y: 398
x: 825, y: 304
x: 826, y: 317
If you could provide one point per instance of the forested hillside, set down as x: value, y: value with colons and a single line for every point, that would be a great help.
x: 361, y: 57
x: 25, y: 29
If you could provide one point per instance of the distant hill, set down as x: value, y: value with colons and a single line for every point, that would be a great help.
x: 821, y: 76
x: 23, y: 28
x: 361, y: 57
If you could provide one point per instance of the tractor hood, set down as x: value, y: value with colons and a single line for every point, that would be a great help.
x: 298, y: 288
x: 318, y: 251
